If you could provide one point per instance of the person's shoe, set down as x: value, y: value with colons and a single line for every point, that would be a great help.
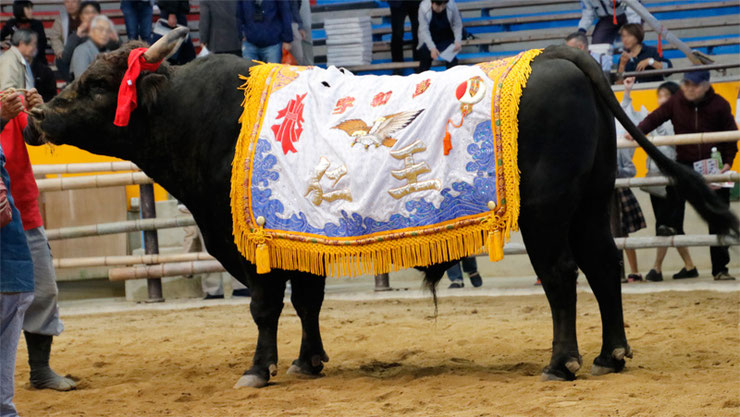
x: 654, y: 276
x: 213, y: 297
x: 624, y: 280
x: 724, y: 276
x: 456, y: 284
x: 243, y: 292
x: 476, y: 280
x: 42, y: 376
x: 634, y: 278
x: 683, y: 274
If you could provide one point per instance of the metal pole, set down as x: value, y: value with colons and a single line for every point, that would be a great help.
x: 151, y: 240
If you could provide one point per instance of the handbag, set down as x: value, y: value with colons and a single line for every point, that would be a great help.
x: 6, y: 210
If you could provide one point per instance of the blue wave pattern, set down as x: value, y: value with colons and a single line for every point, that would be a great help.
x: 462, y: 199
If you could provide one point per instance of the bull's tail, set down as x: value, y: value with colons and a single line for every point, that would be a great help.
x: 689, y: 184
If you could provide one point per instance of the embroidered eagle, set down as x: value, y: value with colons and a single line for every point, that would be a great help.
x: 381, y: 130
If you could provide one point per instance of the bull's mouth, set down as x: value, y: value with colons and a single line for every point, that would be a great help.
x: 33, y: 134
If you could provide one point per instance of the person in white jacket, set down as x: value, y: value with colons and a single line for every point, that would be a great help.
x: 663, y: 199
x: 606, y: 30
x: 440, y: 27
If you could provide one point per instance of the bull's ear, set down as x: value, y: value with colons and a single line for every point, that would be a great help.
x: 149, y: 88
x: 166, y: 45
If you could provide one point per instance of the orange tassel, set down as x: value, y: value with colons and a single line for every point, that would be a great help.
x: 614, y: 11
x: 495, y: 246
x: 660, y: 45
x: 262, y: 258
x: 447, y: 143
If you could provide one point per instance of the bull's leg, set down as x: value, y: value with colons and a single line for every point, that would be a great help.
x: 598, y: 257
x: 547, y: 244
x: 267, y: 291
x: 307, y: 297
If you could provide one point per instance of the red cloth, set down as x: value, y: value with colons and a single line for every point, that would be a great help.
x: 22, y: 183
x: 127, y: 91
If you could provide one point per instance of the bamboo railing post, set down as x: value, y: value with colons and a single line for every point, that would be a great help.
x: 151, y: 239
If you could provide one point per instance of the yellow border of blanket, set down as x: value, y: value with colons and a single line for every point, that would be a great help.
x: 392, y: 251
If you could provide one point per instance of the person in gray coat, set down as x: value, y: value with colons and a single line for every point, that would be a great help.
x: 219, y: 30
x: 440, y: 27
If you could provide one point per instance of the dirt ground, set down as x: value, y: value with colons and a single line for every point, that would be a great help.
x: 480, y: 357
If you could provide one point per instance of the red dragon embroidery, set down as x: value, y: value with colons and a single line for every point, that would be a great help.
x: 290, y: 129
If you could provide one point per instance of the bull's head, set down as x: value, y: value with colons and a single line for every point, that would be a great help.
x: 82, y: 114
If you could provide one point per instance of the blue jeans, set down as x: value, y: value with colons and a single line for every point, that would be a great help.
x: 272, y: 53
x: 469, y: 265
x: 138, y: 17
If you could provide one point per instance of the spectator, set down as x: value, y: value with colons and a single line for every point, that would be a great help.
x: 606, y: 31
x: 264, y: 26
x: 137, y: 14
x: 663, y: 199
x: 23, y: 19
x: 15, y: 65
x: 88, y: 11
x: 579, y: 40
x: 307, y: 42
x: 638, y: 56
x: 65, y: 24
x: 41, y: 322
x: 43, y: 77
x: 101, y: 29
x: 440, y: 26
x: 696, y: 108
x: 176, y: 13
x: 470, y: 266
x: 16, y: 270
x: 631, y: 218
x: 399, y: 10
x: 219, y: 29
x: 299, y: 31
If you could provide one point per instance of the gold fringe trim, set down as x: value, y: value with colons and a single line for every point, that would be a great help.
x: 380, y: 256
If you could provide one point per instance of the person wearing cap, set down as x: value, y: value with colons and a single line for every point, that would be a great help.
x: 696, y: 108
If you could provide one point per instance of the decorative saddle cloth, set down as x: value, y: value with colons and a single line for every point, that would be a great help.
x: 338, y: 174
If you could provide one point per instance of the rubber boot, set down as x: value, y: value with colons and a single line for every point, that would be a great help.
x: 42, y: 377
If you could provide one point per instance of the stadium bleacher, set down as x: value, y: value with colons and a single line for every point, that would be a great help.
x: 500, y: 27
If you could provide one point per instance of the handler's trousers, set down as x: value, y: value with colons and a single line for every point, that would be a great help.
x: 42, y: 316
x: 13, y: 306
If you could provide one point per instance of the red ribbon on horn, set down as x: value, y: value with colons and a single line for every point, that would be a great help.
x: 127, y: 91
x: 660, y: 45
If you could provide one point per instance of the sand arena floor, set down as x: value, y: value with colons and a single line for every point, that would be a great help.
x: 481, y: 357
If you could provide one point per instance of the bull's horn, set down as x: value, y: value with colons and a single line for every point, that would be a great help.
x: 166, y: 45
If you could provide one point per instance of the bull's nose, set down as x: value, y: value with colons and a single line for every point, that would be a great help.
x: 37, y: 113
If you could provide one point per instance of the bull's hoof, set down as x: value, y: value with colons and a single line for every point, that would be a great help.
x: 613, y: 363
x: 311, y: 369
x: 565, y: 372
x: 249, y: 380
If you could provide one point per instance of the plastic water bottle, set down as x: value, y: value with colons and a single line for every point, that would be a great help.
x: 716, y: 156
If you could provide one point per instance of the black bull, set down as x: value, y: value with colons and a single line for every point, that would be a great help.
x: 184, y: 132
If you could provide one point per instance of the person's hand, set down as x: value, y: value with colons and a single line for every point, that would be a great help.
x: 628, y: 136
x: 625, y: 57
x: 435, y: 53
x: 286, y: 46
x: 83, y: 28
x: 172, y: 20
x: 303, y: 33
x: 628, y: 83
x: 114, y: 35
x: 643, y: 64
x: 59, y: 54
x: 458, y: 46
x: 725, y: 168
x: 10, y: 105
x: 5, y: 45
x: 33, y: 99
